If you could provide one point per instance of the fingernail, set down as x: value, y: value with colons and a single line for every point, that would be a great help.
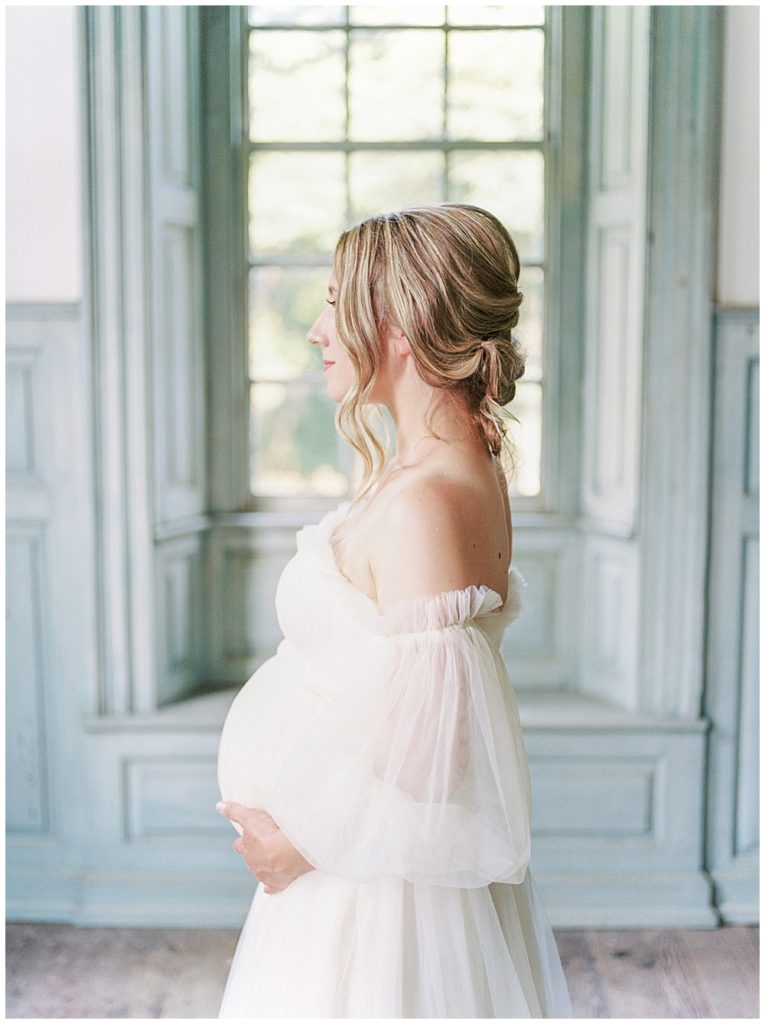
x: 219, y: 806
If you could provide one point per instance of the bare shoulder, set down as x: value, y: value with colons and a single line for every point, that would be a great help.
x: 424, y: 543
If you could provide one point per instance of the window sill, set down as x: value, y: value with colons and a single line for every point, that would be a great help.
x: 294, y: 519
x: 539, y: 711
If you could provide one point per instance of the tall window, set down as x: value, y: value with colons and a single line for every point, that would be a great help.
x: 356, y: 110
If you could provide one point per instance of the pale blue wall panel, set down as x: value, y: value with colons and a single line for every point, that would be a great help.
x: 731, y: 697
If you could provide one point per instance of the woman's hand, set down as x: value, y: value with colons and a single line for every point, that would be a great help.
x: 268, y: 853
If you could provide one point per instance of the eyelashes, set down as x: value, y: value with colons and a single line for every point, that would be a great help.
x: 329, y: 302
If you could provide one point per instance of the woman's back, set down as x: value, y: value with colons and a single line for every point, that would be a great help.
x: 456, y: 497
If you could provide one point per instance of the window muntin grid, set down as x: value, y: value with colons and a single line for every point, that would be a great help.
x: 324, y: 167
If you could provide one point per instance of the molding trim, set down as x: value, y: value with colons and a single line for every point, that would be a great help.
x: 143, y: 311
x: 616, y: 211
x: 565, y: 233
x: 749, y: 314
x: 603, y: 900
x: 116, y: 317
x: 42, y: 310
x: 49, y: 577
x: 609, y: 395
x: 677, y: 369
x: 220, y: 900
x: 731, y: 695
x: 225, y: 232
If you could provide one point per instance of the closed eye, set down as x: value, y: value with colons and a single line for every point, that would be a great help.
x: 330, y: 302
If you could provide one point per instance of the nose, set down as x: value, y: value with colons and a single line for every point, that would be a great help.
x: 315, y: 335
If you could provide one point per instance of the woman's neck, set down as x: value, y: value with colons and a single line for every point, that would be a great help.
x: 414, y: 436
x: 419, y: 410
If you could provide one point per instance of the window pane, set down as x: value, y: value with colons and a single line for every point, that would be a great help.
x: 530, y: 324
x: 396, y: 14
x: 297, y: 86
x: 527, y: 406
x: 396, y: 84
x: 297, y: 202
x: 510, y: 185
x: 383, y: 182
x: 293, y: 440
x: 495, y: 14
x: 296, y: 14
x: 495, y: 85
x: 284, y: 302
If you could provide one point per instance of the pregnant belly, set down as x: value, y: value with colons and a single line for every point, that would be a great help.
x: 263, y: 723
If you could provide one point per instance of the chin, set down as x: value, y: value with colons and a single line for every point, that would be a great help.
x: 337, y: 390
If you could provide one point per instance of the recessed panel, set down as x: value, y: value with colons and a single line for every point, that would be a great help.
x: 177, y: 93
x: 616, y: 124
x: 178, y: 622
x: 169, y: 798
x: 747, y: 753
x: 611, y: 381
x: 752, y: 482
x: 19, y: 418
x: 589, y: 798
x: 26, y: 783
x: 180, y: 339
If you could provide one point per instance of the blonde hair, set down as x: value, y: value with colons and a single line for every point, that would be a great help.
x: 447, y: 276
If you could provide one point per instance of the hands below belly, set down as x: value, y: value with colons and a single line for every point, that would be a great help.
x: 267, y: 852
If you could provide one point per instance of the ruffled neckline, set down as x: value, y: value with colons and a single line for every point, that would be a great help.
x: 454, y: 607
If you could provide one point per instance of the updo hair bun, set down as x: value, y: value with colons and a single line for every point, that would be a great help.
x: 501, y: 363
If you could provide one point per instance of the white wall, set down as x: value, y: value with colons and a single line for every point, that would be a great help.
x: 738, y: 251
x: 43, y: 162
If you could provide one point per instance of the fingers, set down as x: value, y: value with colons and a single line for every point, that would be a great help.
x: 230, y: 809
x: 260, y: 813
x: 238, y: 845
x: 235, y: 812
x: 239, y: 813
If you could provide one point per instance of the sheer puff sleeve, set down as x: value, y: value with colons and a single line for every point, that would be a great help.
x: 417, y: 768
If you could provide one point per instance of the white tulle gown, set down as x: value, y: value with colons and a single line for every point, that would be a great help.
x: 389, y: 750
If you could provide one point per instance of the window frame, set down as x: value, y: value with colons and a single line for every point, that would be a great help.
x: 564, y: 148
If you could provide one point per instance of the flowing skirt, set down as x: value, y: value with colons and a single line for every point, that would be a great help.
x: 327, y: 947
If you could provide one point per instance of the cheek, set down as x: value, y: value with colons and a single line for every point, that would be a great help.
x: 344, y: 367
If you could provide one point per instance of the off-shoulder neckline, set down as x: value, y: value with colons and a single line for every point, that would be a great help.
x: 325, y: 524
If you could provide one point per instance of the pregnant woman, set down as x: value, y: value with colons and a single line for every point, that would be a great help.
x: 375, y: 766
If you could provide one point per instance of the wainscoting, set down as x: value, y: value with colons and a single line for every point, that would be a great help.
x: 111, y: 815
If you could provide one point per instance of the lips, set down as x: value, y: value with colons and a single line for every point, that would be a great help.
x: 327, y: 365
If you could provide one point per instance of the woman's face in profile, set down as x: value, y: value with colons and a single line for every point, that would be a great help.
x: 337, y: 366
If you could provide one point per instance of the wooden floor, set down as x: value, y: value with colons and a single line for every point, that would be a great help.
x: 663, y: 973
x: 56, y: 970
